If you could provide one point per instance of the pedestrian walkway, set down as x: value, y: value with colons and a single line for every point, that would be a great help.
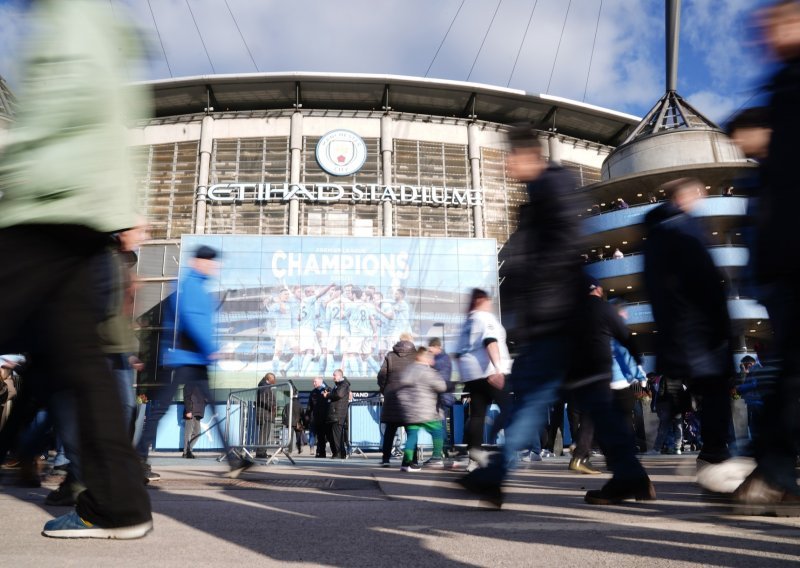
x: 355, y: 513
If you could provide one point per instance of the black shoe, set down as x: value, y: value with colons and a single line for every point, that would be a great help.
x: 64, y: 496
x: 488, y: 492
x: 149, y: 474
x: 188, y: 455
x: 616, y: 491
x: 320, y: 456
x: 386, y: 463
x: 261, y: 455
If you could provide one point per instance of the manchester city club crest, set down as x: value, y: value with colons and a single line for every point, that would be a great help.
x: 341, y: 152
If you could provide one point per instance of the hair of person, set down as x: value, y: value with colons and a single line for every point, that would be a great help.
x: 476, y: 296
x: 406, y: 336
x: 268, y: 375
x: 435, y: 342
x: 747, y: 359
x: 422, y: 351
x: 402, y: 291
x: 672, y: 187
x: 524, y: 135
x: 754, y: 117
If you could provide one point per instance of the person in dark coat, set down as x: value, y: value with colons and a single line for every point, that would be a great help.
x: 194, y: 406
x: 542, y: 279
x: 401, y: 356
x: 772, y: 488
x: 318, y: 411
x: 588, y: 380
x: 690, y: 309
x: 339, y: 401
x: 265, y: 412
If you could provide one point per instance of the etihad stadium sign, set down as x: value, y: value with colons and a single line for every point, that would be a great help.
x: 322, y: 193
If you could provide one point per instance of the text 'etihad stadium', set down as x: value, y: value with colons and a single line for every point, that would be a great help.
x: 331, y: 192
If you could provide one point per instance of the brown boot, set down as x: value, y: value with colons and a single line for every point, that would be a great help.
x: 757, y: 496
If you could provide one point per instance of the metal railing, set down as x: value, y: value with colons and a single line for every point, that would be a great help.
x: 254, y: 421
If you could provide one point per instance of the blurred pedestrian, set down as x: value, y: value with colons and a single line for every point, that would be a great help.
x: 542, y: 285
x: 772, y: 488
x: 67, y: 185
x: 318, y: 411
x: 265, y: 412
x: 189, y: 315
x: 693, y: 345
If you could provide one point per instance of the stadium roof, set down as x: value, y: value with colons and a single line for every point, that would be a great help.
x: 343, y: 91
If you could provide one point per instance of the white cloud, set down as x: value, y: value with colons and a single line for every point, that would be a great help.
x: 386, y: 36
x: 716, y: 106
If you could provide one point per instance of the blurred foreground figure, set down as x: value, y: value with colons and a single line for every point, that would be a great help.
x: 772, y: 488
x: 67, y: 185
x: 188, y: 351
x: 542, y: 288
x: 693, y: 345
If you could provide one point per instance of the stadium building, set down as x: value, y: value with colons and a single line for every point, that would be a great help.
x: 305, y: 163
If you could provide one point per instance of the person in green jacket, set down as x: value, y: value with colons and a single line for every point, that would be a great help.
x: 67, y: 185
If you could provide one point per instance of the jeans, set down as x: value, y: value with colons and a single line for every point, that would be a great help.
x: 670, y: 428
x: 536, y: 378
x: 123, y: 377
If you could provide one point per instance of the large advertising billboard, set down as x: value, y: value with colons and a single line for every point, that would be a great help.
x: 304, y: 306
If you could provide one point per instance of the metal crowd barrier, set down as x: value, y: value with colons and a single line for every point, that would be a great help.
x: 254, y: 423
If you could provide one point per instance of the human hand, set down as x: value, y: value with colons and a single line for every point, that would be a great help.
x: 188, y: 415
x: 497, y: 380
x: 136, y: 363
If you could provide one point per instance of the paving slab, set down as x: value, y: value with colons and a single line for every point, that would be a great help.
x: 325, y: 512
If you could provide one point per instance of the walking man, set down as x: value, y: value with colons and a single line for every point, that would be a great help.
x: 192, y: 348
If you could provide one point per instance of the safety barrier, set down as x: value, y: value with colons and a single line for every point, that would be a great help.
x: 254, y: 420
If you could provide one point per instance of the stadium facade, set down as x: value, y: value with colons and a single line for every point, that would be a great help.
x: 321, y: 164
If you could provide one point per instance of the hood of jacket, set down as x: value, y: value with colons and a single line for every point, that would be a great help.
x: 404, y: 348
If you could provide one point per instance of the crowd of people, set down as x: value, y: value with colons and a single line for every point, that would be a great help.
x: 66, y: 300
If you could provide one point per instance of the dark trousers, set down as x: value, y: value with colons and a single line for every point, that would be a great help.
x: 336, y: 439
x: 713, y: 398
x: 584, y: 433
x: 191, y: 432
x: 49, y: 311
x: 481, y: 395
x: 778, y: 432
x: 613, y: 430
x: 624, y: 402
x: 389, y: 433
x: 320, y: 429
x: 162, y: 399
x: 555, y: 422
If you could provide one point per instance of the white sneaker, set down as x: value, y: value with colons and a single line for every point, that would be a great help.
x: 724, y: 477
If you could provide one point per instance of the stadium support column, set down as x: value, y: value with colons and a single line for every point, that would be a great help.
x: 206, y: 143
x: 474, y: 150
x: 296, y: 147
x: 387, y: 144
x: 554, y: 148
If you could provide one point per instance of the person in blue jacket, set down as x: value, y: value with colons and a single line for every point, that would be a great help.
x: 188, y: 351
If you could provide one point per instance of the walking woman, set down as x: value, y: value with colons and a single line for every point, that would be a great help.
x: 483, y: 362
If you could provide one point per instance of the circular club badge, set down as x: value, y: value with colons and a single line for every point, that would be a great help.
x: 341, y: 152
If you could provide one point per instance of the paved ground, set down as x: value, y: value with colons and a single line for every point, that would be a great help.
x: 353, y: 513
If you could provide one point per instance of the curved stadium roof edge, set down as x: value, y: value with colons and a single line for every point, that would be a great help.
x: 355, y: 91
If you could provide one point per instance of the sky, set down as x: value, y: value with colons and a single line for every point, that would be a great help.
x: 609, y: 53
